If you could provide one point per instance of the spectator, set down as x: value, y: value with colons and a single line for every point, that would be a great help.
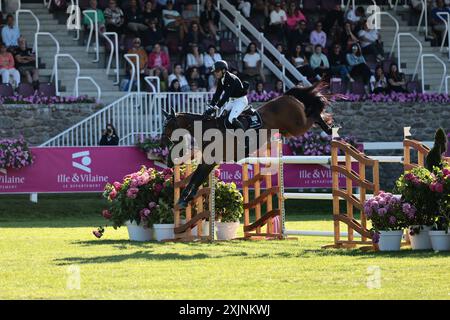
x: 173, y: 20
x: 100, y: 17
x: 277, y: 21
x: 209, y: 19
x: 319, y: 62
x: 140, y: 51
x: 300, y: 36
x: 175, y: 86
x: 279, y: 87
x: 300, y: 62
x: 275, y: 61
x: 134, y: 18
x: 194, y: 58
x: 355, y: 16
x: 318, y: 36
x: 194, y: 76
x: 150, y: 14
x: 10, y: 32
x: 195, y: 87
x: 109, y: 136
x: 438, y: 25
x: 26, y: 63
x: 349, y: 38
x: 334, y: 18
x: 378, y: 81
x: 209, y: 60
x: 371, y: 42
x: 178, y: 74
x: 259, y: 88
x: 358, y: 67
x: 158, y: 63
x: 396, y: 80
x: 194, y: 37
x: 7, y: 66
x: 245, y: 8
x: 260, y: 13
x: 189, y: 14
x: 294, y: 16
x: 152, y: 36
x: 252, y: 62
x: 338, y: 64
x: 114, y: 18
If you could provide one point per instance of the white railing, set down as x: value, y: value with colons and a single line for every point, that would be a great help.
x: 38, y: 23
x: 444, y: 73
x: 114, y: 52
x: 77, y: 80
x: 36, y: 42
x: 93, y: 25
x: 446, y: 84
x: 407, y: 34
x: 135, y: 69
x: 445, y: 17
x: 132, y: 115
x: 242, y: 22
x: 75, y: 6
x: 397, y: 28
x: 66, y: 55
x: 423, y: 17
x: 149, y: 79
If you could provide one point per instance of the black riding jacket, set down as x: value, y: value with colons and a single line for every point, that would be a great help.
x: 231, y: 87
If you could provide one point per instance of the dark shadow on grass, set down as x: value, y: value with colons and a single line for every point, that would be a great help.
x: 404, y: 253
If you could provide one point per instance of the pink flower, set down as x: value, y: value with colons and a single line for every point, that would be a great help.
x: 97, y: 233
x: 217, y: 173
x: 113, y: 194
x: 152, y: 205
x: 144, y: 213
x: 132, y: 193
x: 106, y: 214
x: 117, y: 185
x: 158, y: 188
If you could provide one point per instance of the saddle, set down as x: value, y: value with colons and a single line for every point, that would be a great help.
x: 250, y: 118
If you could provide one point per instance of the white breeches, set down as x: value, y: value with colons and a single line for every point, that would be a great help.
x: 235, y: 106
x: 7, y: 72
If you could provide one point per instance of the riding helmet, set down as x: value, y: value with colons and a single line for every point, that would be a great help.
x: 220, y: 65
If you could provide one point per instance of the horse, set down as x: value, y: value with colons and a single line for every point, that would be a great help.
x: 292, y: 114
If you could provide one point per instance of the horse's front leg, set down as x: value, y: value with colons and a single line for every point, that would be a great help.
x: 200, y: 175
x: 324, y: 126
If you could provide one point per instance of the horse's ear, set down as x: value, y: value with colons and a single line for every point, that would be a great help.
x: 165, y: 114
x: 172, y: 112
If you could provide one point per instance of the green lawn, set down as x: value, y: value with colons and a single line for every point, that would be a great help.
x: 43, y: 245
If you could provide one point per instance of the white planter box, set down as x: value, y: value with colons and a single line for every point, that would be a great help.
x: 163, y: 231
x: 226, y: 230
x: 205, y: 228
x: 138, y: 233
x: 440, y: 240
x: 390, y: 240
x: 422, y: 240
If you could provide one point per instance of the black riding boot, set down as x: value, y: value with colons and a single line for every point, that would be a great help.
x: 238, y: 124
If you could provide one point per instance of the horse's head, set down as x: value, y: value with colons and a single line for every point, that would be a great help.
x: 170, y: 125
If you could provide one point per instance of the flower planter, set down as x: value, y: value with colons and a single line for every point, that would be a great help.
x: 205, y: 228
x: 440, y: 240
x: 226, y: 230
x: 422, y: 240
x: 163, y: 231
x: 138, y: 233
x: 390, y: 240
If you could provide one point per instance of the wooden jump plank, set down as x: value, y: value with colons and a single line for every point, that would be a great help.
x: 253, y: 203
x: 354, y: 153
x: 354, y: 200
x: 256, y: 178
x: 184, y: 182
x: 262, y: 221
x: 355, y: 225
x: 354, y: 177
x: 417, y: 145
x: 192, y: 223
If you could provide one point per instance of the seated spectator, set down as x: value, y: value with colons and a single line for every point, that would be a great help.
x: 209, y: 59
x: 209, y: 19
x: 175, y: 86
x: 259, y: 88
x: 143, y: 58
x: 134, y: 18
x: 114, y: 18
x: 277, y: 21
x: 294, y: 16
x: 152, y: 36
x: 178, y: 75
x: 26, y: 63
x: 338, y: 63
x: 348, y: 38
x: 319, y: 62
x: 245, y: 7
x: 252, y: 63
x: 355, y: 16
x: 151, y: 15
x: 275, y: 61
x: 194, y: 37
x: 300, y: 36
x: 279, y: 87
x: 371, y: 42
x: 158, y: 63
x: 7, y: 66
x: 195, y: 76
x: 396, y: 80
x: 195, y: 87
x: 10, y: 32
x: 100, y: 17
x: 378, y: 81
x: 334, y: 18
x: 189, y: 14
x: 358, y: 66
x: 172, y: 20
x: 438, y: 25
x: 318, y: 36
x: 109, y: 136
x: 194, y: 58
x: 300, y: 62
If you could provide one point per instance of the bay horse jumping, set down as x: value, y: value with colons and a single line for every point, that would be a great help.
x: 292, y: 114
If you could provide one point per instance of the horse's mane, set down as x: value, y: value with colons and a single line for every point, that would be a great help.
x: 313, y: 98
x: 191, y: 116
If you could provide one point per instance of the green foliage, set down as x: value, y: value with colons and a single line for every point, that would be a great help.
x: 229, y: 202
x: 434, y: 157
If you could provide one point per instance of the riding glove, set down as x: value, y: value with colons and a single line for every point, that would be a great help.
x: 210, y: 111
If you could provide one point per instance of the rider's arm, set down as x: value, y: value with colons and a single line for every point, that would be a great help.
x: 227, y: 94
x: 217, y: 94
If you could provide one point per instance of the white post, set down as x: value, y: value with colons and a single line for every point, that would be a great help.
x: 34, y: 197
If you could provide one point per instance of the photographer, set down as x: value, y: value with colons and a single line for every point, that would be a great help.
x: 109, y: 136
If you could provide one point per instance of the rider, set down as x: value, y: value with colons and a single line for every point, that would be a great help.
x: 234, y: 98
